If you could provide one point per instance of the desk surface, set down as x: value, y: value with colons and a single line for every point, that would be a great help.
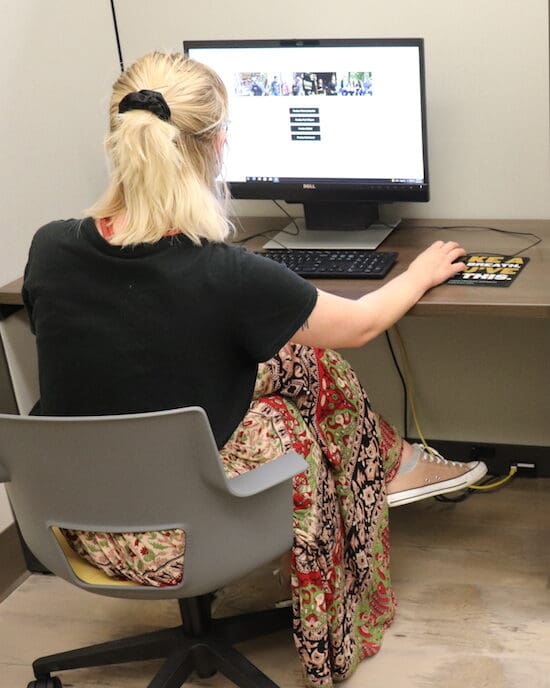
x: 528, y: 296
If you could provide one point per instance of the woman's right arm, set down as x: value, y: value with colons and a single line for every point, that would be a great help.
x: 337, y: 322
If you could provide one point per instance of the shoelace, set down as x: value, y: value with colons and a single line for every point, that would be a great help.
x: 433, y: 456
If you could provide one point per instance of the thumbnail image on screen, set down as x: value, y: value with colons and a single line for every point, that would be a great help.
x: 302, y: 83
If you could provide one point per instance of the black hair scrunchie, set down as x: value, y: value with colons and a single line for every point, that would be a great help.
x: 153, y: 101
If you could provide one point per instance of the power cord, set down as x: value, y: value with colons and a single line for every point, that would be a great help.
x: 491, y: 485
x: 488, y: 484
x: 403, y: 384
x: 267, y: 233
x: 538, y: 239
x: 290, y: 217
x: 410, y: 391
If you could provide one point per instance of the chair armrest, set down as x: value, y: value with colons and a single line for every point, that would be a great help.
x: 267, y: 475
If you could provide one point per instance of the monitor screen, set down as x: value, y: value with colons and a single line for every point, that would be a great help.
x: 335, y: 121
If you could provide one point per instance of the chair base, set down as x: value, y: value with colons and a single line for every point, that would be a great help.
x: 201, y: 644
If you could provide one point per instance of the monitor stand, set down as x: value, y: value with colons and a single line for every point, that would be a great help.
x: 369, y: 238
x: 335, y: 226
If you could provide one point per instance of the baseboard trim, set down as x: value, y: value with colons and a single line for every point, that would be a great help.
x: 13, y: 569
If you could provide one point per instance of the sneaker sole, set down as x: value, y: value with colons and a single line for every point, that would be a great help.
x: 459, y: 483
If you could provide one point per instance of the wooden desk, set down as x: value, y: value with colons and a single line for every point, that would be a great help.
x: 528, y: 296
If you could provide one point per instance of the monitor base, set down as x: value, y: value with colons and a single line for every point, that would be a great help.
x: 369, y: 238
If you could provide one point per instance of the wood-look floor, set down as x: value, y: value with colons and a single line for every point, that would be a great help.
x: 472, y: 579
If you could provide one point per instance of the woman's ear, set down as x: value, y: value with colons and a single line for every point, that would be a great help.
x: 221, y: 140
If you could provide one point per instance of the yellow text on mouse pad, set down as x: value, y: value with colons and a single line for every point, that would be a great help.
x: 489, y: 270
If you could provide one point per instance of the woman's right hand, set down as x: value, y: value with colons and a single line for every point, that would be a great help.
x: 437, y: 264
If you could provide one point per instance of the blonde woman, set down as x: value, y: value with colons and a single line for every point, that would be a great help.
x: 144, y: 305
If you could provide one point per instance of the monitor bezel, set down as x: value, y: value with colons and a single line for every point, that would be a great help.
x: 332, y: 190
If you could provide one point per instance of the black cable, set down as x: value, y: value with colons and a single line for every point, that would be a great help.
x: 290, y: 217
x: 403, y: 383
x: 512, y: 232
x: 117, y: 36
x: 455, y: 500
x: 266, y: 232
x: 464, y: 495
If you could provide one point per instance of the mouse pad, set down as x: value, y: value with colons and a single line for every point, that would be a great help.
x: 489, y: 270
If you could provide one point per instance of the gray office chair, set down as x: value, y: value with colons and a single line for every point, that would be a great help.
x: 19, y: 386
x: 19, y: 349
x: 136, y: 473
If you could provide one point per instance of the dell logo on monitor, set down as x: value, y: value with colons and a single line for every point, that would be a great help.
x: 308, y: 186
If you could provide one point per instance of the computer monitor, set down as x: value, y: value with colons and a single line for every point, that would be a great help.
x: 336, y: 124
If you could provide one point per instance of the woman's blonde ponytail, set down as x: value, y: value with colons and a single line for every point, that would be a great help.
x: 164, y: 171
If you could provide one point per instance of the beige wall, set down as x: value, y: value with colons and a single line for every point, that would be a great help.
x: 488, y: 123
x: 487, y: 83
x: 58, y: 60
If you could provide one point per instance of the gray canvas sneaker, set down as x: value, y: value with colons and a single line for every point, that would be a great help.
x: 432, y: 475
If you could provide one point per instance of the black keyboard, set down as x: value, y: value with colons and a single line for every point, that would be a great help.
x: 348, y: 263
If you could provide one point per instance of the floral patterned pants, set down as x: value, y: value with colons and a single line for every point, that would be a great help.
x: 309, y: 400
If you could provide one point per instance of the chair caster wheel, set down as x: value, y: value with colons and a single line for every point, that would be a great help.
x: 52, y: 682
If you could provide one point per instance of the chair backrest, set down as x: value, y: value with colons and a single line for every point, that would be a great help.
x: 136, y: 473
x: 20, y: 351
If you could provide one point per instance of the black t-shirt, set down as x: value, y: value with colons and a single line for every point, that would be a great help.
x: 155, y: 326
